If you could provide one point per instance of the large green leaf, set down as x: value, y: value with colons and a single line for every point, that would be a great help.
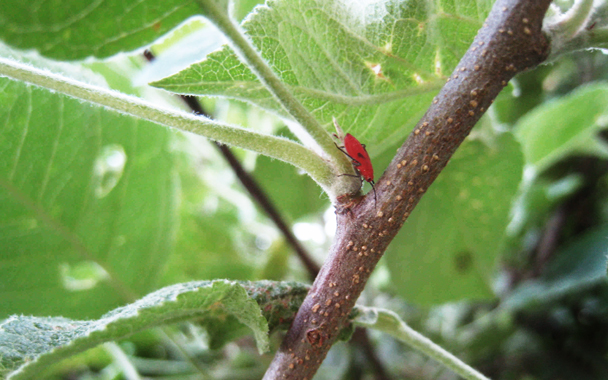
x: 447, y: 248
x: 76, y: 29
x: 375, y: 67
x: 568, y: 125
x: 30, y: 344
x: 86, y: 224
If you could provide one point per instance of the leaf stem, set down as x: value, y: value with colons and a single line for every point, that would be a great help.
x: 127, y: 368
x: 574, y: 20
x: 389, y: 322
x: 272, y: 146
x: 244, y: 48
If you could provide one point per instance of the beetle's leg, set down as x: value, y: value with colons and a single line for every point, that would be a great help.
x: 347, y: 155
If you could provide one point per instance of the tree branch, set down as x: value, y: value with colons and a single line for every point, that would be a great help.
x: 360, y: 336
x: 510, y: 42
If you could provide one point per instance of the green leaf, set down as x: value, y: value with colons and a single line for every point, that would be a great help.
x: 208, y: 246
x: 577, y: 266
x: 447, y: 248
x: 72, y: 29
x: 29, y: 345
x: 86, y: 223
x: 565, y: 126
x: 375, y: 68
x: 75, y: 29
x: 294, y: 193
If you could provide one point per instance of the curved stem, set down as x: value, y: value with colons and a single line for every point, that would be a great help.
x: 275, y: 147
x: 390, y: 323
x: 275, y: 85
x: 574, y: 20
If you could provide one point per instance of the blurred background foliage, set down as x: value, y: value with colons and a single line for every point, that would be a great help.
x: 503, y: 263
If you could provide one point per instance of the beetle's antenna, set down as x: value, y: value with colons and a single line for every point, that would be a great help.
x: 339, y: 131
x: 375, y: 196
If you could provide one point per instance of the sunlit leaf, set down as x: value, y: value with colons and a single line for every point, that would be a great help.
x: 86, y: 225
x: 565, y: 126
x: 374, y: 66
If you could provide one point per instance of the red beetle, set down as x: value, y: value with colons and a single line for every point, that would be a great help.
x: 357, y: 153
x: 359, y: 157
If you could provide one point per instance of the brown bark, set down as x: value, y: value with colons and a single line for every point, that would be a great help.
x: 510, y: 42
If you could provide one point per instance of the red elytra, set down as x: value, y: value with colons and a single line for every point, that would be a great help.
x: 360, y: 159
x: 356, y: 151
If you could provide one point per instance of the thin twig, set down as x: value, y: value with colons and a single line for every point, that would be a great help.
x: 258, y: 194
x: 253, y: 187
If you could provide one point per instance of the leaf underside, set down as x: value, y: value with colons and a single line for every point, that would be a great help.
x: 374, y: 67
x: 226, y: 309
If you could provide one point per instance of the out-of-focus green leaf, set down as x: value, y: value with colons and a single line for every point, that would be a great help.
x: 568, y: 125
x: 207, y: 247
x: 447, y: 248
x: 276, y: 265
x: 29, y: 345
x: 213, y: 240
x: 578, y: 265
x: 375, y: 67
x: 73, y: 29
x: 294, y: 194
x: 523, y: 93
x: 86, y: 224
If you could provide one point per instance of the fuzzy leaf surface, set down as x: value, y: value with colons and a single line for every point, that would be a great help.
x: 86, y: 224
x: 374, y: 67
x: 30, y: 344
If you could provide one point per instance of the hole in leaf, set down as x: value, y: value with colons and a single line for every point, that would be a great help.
x: 109, y: 167
x: 84, y: 275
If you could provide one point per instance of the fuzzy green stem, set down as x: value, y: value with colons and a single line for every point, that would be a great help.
x: 271, y: 146
x: 575, y: 19
x: 258, y: 65
x: 390, y: 323
x: 598, y: 38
